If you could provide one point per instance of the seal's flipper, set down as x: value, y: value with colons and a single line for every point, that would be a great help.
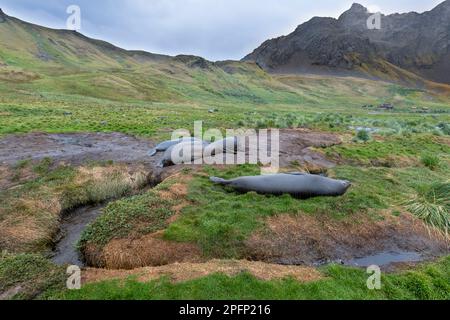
x: 152, y: 152
x: 219, y: 181
x: 160, y: 164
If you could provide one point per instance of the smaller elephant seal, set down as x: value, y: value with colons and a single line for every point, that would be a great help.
x: 183, y: 153
x: 163, y: 146
x: 228, y: 145
x: 297, y: 185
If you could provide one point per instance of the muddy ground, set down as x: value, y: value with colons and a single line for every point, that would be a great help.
x: 308, y: 240
x: 80, y: 148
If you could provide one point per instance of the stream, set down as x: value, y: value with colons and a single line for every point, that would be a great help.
x: 72, y: 226
x: 386, y: 258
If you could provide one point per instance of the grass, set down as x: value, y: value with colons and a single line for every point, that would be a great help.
x: 30, y: 212
x: 363, y: 135
x: 33, y: 275
x: 432, y: 204
x: 141, y: 214
x: 220, y: 220
x: 428, y: 282
x: 395, y: 151
x: 431, y: 161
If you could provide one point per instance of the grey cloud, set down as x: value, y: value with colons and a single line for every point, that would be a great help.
x: 215, y: 29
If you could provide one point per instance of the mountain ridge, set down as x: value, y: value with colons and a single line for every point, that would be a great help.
x: 417, y: 43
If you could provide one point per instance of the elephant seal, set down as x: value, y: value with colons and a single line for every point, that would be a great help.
x: 296, y: 184
x: 185, y: 152
x: 163, y: 146
x: 228, y: 145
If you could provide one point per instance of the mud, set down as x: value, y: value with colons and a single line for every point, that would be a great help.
x: 297, y: 149
x: 75, y: 149
x: 78, y: 148
x: 313, y: 241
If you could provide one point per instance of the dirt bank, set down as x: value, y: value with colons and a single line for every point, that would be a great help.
x: 316, y: 240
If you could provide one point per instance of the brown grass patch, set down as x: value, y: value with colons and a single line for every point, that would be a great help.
x: 175, y: 191
x: 180, y: 272
x: 134, y: 178
x: 29, y: 221
x: 148, y: 250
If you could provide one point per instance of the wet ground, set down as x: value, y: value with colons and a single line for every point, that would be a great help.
x: 385, y: 259
x: 75, y: 149
x: 72, y: 226
x: 78, y: 148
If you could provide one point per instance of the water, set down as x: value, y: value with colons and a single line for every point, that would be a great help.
x: 385, y: 258
x: 71, y: 228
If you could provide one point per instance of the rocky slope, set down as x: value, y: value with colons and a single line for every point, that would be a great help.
x: 408, y: 46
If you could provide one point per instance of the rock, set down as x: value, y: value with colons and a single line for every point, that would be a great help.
x: 419, y: 43
x: 2, y: 16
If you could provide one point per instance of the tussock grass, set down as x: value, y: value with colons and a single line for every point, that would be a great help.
x: 432, y: 204
x: 431, y: 161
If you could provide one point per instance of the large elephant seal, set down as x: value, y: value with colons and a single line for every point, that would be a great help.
x: 296, y: 184
x: 183, y: 153
x: 228, y: 145
x: 164, y: 146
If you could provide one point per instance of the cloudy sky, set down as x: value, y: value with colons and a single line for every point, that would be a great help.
x: 215, y: 29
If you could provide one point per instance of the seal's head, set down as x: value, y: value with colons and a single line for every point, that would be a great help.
x: 346, y: 184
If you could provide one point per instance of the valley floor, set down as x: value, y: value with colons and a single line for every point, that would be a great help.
x: 150, y: 233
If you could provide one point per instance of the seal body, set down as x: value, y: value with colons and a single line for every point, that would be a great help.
x: 183, y: 153
x: 164, y: 146
x: 298, y: 185
x: 228, y: 145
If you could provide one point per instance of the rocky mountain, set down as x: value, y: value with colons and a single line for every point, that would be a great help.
x: 408, y: 46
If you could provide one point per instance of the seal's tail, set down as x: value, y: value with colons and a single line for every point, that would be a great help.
x: 219, y: 181
x: 152, y: 152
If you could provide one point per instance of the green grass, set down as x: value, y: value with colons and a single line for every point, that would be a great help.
x: 33, y: 275
x: 220, y: 220
x: 432, y: 204
x: 431, y: 161
x: 428, y: 282
x: 389, y: 151
x: 141, y: 214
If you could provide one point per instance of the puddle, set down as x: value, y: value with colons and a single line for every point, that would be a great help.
x: 385, y: 258
x: 72, y: 227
